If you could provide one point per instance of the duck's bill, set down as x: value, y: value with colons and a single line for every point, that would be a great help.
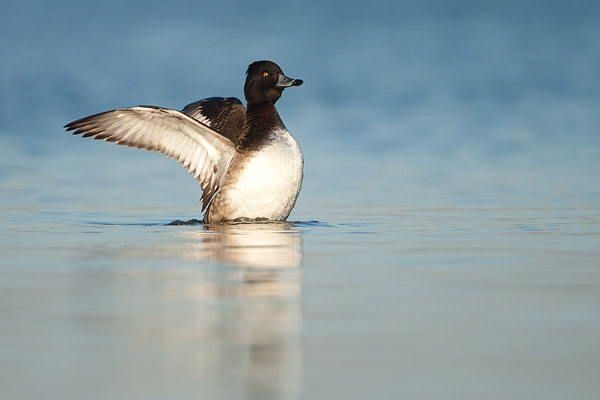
x: 284, y: 81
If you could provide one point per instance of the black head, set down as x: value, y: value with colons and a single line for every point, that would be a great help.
x: 265, y: 82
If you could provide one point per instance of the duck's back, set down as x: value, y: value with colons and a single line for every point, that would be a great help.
x: 226, y: 115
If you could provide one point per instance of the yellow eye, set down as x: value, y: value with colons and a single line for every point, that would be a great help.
x: 265, y: 74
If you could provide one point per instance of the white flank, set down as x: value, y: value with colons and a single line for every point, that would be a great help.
x: 270, y: 182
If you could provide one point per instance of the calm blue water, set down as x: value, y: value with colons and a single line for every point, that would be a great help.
x: 445, y: 243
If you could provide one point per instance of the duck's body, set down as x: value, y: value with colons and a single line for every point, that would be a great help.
x: 247, y: 162
x: 263, y: 183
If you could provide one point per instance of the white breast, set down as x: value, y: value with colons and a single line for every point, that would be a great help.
x: 267, y: 185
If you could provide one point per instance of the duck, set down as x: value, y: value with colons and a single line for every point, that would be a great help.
x: 248, y: 164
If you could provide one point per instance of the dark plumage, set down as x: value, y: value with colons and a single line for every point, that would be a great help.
x: 224, y: 115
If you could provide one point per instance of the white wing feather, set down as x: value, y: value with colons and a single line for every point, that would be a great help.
x: 205, y: 153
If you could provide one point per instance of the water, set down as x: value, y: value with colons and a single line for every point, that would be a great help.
x: 444, y: 245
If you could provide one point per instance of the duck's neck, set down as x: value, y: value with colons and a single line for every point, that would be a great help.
x: 261, y: 120
x: 259, y: 115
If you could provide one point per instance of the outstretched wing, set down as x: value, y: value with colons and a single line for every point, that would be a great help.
x: 225, y: 115
x: 200, y: 149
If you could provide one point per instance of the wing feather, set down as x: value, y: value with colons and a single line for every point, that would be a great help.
x: 205, y: 153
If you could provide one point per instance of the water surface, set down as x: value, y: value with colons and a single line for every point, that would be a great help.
x: 444, y: 245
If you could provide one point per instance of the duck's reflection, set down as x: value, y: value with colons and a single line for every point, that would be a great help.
x: 263, y: 245
x: 229, y: 329
x: 259, y: 292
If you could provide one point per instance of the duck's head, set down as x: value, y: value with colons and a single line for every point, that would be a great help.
x: 265, y: 82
